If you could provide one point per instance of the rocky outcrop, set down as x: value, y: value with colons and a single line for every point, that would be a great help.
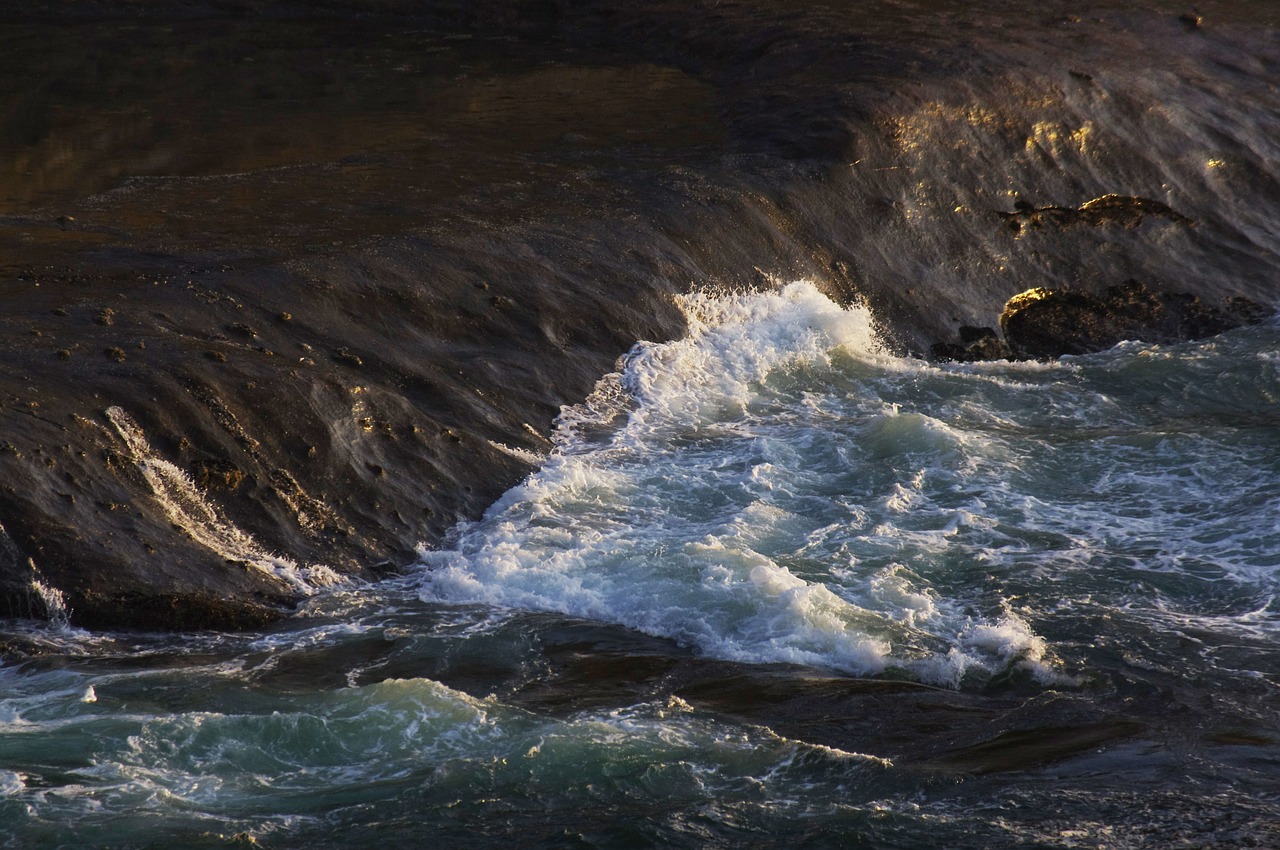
x: 1125, y: 211
x: 292, y: 287
x: 279, y: 364
x: 1044, y: 324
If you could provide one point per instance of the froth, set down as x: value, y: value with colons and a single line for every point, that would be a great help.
x: 189, y: 509
x: 683, y: 498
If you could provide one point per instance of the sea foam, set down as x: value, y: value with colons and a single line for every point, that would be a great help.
x: 683, y: 498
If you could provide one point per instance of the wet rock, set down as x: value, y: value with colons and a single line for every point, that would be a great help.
x: 975, y: 344
x: 1043, y: 324
x: 381, y: 260
x: 1126, y: 211
x: 176, y: 611
x: 222, y: 474
x: 348, y: 357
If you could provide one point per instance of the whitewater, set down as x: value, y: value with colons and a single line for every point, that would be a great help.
x: 756, y: 502
x: 1084, y: 552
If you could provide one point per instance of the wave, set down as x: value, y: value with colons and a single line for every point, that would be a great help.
x: 698, y: 517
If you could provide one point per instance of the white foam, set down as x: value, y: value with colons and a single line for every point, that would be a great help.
x: 775, y: 487
x: 187, y: 507
x: 522, y: 455
x: 677, y: 501
x: 12, y: 783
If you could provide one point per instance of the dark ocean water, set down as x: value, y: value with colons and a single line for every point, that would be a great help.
x: 777, y: 582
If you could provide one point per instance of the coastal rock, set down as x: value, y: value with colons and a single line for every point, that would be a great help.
x: 1043, y: 324
x: 434, y: 298
x: 975, y: 344
x: 1126, y: 211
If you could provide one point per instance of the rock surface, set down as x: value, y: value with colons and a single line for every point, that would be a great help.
x: 1045, y: 324
x: 289, y: 291
x: 1106, y: 211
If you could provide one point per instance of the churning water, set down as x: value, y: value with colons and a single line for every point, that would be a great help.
x: 773, y: 488
x: 778, y: 489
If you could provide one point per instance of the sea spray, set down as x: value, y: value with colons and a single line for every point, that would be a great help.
x: 53, y: 601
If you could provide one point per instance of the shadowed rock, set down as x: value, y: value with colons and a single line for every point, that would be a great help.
x: 1125, y: 211
x: 975, y: 344
x: 1042, y: 324
x: 344, y: 298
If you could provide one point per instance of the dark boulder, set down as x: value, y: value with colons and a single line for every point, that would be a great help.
x: 1043, y: 324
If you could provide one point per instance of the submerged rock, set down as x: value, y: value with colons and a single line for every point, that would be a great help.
x: 1127, y: 211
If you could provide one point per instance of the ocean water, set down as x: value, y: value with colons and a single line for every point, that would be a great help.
x: 1060, y: 579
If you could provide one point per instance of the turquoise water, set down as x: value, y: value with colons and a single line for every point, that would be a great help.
x: 774, y: 587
